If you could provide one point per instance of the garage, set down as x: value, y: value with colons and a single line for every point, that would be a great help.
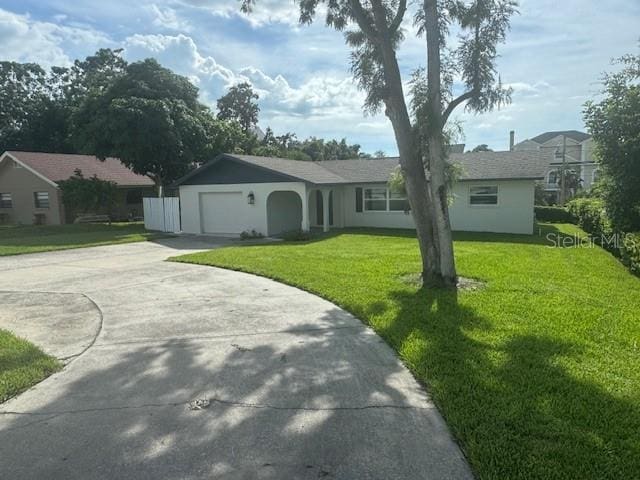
x: 217, y: 212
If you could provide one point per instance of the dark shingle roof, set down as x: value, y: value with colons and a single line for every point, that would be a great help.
x: 61, y: 166
x: 474, y: 166
x: 573, y: 134
x: 308, y: 171
x: 528, y: 164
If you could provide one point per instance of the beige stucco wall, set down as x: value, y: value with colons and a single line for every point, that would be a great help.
x: 513, y: 214
x: 21, y: 184
x: 241, y: 214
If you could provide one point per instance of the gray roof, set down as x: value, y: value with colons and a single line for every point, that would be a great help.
x: 456, y: 148
x: 510, y: 165
x: 308, y: 171
x: 573, y: 134
x: 530, y: 164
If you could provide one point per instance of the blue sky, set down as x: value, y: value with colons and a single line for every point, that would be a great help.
x: 553, y: 58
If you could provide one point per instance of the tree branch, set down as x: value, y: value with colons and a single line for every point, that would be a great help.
x: 363, y: 20
x: 455, y: 102
x: 397, y: 20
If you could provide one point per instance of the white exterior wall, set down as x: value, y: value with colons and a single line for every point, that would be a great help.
x: 371, y: 219
x: 513, y: 214
x: 243, y: 215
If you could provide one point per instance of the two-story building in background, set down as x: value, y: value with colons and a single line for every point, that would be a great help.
x: 571, y: 147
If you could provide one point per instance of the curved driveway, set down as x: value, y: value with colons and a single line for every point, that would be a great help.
x: 179, y: 371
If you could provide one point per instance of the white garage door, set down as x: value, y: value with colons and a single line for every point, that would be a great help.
x: 219, y: 212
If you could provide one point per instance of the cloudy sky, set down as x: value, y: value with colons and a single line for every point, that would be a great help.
x: 553, y: 58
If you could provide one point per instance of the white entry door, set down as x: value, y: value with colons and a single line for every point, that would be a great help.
x: 219, y: 212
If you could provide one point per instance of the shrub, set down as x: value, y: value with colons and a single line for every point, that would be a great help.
x: 249, y: 235
x: 296, y: 236
x: 591, y: 216
x: 630, y: 251
x: 554, y: 214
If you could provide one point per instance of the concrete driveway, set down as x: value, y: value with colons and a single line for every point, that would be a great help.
x: 180, y: 371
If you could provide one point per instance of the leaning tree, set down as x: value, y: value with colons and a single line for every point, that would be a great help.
x: 374, y: 31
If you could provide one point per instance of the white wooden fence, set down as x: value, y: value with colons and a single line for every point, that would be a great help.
x: 162, y: 214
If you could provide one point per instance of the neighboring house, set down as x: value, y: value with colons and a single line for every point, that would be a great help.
x: 236, y: 193
x: 571, y: 146
x: 29, y: 191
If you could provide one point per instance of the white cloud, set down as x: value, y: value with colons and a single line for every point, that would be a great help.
x: 26, y: 40
x: 264, y: 12
x: 317, y: 104
x: 168, y: 18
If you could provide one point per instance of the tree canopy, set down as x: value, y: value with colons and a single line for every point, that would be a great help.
x: 150, y: 118
x: 614, y: 122
x: 240, y: 104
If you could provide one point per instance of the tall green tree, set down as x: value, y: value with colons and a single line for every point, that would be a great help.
x: 240, y: 104
x: 24, y: 96
x: 37, y: 104
x: 150, y: 118
x: 483, y: 147
x: 614, y: 122
x: 373, y: 28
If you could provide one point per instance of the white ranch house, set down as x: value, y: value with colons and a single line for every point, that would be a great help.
x: 236, y: 193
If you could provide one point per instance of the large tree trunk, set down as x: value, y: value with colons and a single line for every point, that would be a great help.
x: 412, y: 167
x: 418, y: 189
x: 442, y: 223
x: 437, y: 154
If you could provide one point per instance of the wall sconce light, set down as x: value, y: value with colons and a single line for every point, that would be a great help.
x: 251, y: 198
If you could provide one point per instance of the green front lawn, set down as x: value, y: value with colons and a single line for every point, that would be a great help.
x: 537, y: 373
x: 22, y: 365
x: 15, y: 240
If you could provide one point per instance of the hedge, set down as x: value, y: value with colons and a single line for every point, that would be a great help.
x: 591, y: 216
x: 553, y: 214
x: 630, y: 252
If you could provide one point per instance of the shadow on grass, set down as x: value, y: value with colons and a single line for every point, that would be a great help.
x: 518, y: 410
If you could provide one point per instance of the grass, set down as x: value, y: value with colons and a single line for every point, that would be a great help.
x: 537, y: 373
x: 22, y: 365
x: 15, y: 240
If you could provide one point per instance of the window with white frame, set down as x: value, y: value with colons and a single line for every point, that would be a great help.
x: 375, y: 199
x: 484, y: 195
x: 381, y: 199
x: 398, y: 202
x: 553, y: 177
x: 5, y: 200
x: 595, y: 176
x: 41, y: 199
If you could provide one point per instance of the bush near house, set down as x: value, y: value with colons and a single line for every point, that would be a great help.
x: 630, y: 252
x: 591, y: 216
x: 553, y: 214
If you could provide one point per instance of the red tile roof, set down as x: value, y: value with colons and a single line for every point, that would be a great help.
x: 61, y: 166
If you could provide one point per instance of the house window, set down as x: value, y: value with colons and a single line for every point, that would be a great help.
x: 553, y: 177
x: 487, y: 195
x: 375, y: 199
x: 595, y: 176
x: 41, y: 199
x: 5, y: 200
x: 134, y: 197
x: 398, y: 202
